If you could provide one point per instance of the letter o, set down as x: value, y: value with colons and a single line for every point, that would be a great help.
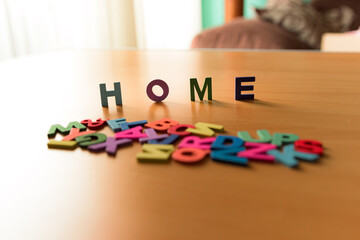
x: 161, y: 84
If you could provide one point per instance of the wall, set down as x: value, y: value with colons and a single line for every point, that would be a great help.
x: 249, y: 6
x: 213, y: 13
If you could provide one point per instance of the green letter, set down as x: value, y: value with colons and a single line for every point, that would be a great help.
x: 64, y: 131
x: 264, y: 136
x: 194, y: 84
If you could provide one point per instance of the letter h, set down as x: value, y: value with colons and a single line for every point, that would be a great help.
x: 115, y: 93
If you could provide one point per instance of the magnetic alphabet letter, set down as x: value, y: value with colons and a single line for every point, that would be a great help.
x: 289, y: 155
x: 180, y: 129
x: 115, y: 93
x: 151, y: 135
x: 69, y: 145
x: 264, y: 136
x: 127, y: 125
x: 115, y: 124
x: 75, y: 132
x: 194, y: 85
x: 132, y: 133
x: 258, y: 151
x: 239, y: 88
x: 97, y: 125
x: 196, y: 142
x: 229, y: 156
x: 205, y: 129
x: 227, y: 142
x: 189, y: 155
x: 110, y: 146
x: 309, y: 146
x: 161, y: 84
x: 169, y: 140
x: 90, y: 139
x: 280, y: 138
x: 64, y: 131
x: 155, y: 153
x: 162, y: 124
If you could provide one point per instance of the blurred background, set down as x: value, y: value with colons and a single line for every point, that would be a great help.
x: 38, y: 26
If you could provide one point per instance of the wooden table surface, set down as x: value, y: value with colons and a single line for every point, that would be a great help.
x: 56, y: 194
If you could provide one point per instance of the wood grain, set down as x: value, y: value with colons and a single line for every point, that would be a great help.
x: 59, y: 194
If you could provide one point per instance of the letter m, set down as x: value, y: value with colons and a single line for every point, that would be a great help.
x: 64, y: 131
x: 194, y: 85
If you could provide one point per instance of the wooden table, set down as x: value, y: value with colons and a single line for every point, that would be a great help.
x: 57, y: 194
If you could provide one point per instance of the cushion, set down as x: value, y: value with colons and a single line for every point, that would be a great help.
x: 248, y: 34
x: 324, y: 5
x: 305, y: 21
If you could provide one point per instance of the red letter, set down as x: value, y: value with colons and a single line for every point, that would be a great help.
x: 176, y: 129
x: 162, y: 124
x: 189, y: 155
x: 309, y: 146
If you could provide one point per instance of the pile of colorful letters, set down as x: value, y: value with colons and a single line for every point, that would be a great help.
x: 195, y: 142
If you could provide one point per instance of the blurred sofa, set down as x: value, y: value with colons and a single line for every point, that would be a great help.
x: 248, y: 34
x: 259, y: 34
